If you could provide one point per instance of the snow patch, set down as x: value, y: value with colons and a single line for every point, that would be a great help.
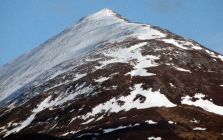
x: 79, y: 76
x: 71, y: 132
x: 146, y: 32
x: 137, y: 46
x: 130, y: 55
x: 197, y: 48
x: 61, y: 99
x: 114, y: 129
x: 150, y: 122
x: 170, y: 122
x: 90, y: 120
x: 3, y: 129
x: 44, y: 104
x: 109, y: 130
x: 220, y: 57
x: 174, y: 42
x: 214, y: 55
x: 202, y: 103
x: 199, y: 129
x: 195, y: 121
x: 101, y: 79
x: 171, y: 84
x: 144, y: 62
x: 153, y: 99
x: 154, y: 138
x: 183, y: 44
x: 122, y: 118
x: 181, y: 69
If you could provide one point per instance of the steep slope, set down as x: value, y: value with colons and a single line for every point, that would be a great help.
x: 88, y: 34
x: 106, y: 76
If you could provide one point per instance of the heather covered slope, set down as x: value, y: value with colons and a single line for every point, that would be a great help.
x: 131, y: 81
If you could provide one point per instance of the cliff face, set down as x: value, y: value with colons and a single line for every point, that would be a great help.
x: 108, y: 78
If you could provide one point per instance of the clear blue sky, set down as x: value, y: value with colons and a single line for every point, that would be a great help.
x: 25, y: 24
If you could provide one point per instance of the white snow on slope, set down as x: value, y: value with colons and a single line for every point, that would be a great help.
x: 186, y: 45
x: 144, y: 62
x: 197, y: 48
x: 192, y: 45
x: 150, y: 122
x: 3, y: 129
x: 177, y: 67
x: 95, y: 30
x: 172, y: 85
x: 195, y: 121
x: 77, y: 77
x: 137, y: 46
x: 121, y: 55
x: 181, y: 69
x: 114, y: 129
x: 44, y: 104
x: 174, y: 42
x: 202, y: 103
x: 63, y: 98
x: 170, y: 122
x: 48, y: 103
x: 154, y: 138
x: 101, y: 79
x: 199, y: 129
x: 128, y: 55
x: 70, y: 132
x: 90, y: 120
x: 109, y: 130
x: 220, y: 57
x: 214, y: 55
x: 153, y: 99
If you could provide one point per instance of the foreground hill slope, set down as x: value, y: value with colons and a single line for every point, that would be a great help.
x: 108, y: 78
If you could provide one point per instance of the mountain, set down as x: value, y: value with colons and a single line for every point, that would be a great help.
x: 108, y: 78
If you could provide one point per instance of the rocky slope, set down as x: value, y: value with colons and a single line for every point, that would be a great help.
x: 108, y: 78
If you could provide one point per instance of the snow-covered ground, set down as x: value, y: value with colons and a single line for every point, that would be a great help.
x: 153, y: 99
x: 181, y: 69
x: 174, y: 42
x: 171, y: 122
x: 151, y: 122
x: 195, y: 121
x: 44, y: 104
x: 154, y: 138
x: 101, y: 79
x: 128, y: 55
x: 199, y: 129
x: 48, y: 103
x: 202, y: 103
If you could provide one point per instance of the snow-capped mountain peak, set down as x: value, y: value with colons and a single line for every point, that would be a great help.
x: 103, y: 13
x: 93, y: 31
x: 108, y: 78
